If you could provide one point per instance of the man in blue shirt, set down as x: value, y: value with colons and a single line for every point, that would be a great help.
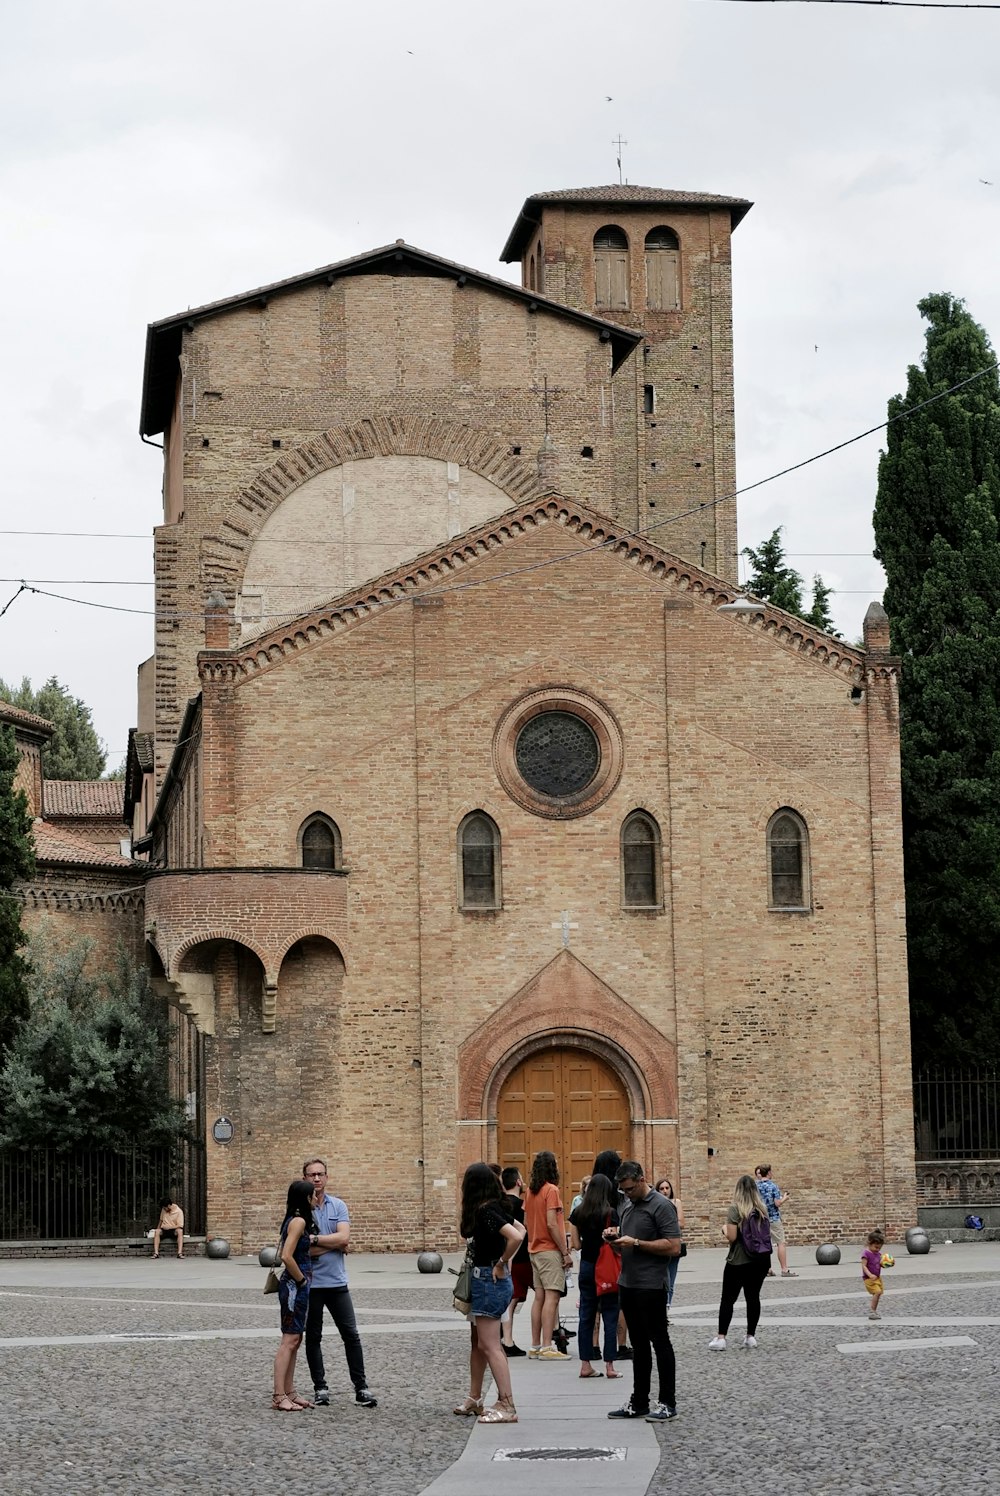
x: 330, y: 1291
x: 773, y: 1198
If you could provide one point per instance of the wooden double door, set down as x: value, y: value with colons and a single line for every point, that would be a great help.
x: 568, y: 1101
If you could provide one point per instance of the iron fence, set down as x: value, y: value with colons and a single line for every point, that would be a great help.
x: 88, y: 1194
x: 956, y: 1114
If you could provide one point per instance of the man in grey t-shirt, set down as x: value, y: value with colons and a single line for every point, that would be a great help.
x: 649, y: 1235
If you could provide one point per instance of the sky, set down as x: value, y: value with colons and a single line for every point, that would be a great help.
x: 154, y: 159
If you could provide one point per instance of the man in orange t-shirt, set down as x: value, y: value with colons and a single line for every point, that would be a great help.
x: 543, y: 1216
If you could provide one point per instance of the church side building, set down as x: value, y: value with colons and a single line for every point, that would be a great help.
x: 475, y: 823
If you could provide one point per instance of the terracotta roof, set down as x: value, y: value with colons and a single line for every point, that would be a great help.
x: 21, y: 718
x: 617, y: 195
x: 164, y: 338
x: 144, y: 750
x: 52, y: 844
x: 84, y: 797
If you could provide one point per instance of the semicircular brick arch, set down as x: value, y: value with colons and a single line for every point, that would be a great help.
x: 312, y: 932
x: 385, y: 436
x: 209, y: 937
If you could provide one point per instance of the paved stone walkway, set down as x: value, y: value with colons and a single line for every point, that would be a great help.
x: 127, y: 1376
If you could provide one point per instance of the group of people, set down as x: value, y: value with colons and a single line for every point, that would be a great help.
x: 619, y: 1209
x: 315, y: 1235
x: 516, y: 1236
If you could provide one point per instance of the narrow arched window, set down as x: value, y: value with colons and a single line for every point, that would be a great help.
x: 479, y: 862
x: 663, y: 281
x: 787, y: 861
x: 531, y: 273
x: 610, y: 268
x: 640, y: 852
x: 319, y: 843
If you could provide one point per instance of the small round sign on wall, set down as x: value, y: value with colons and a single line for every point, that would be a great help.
x: 223, y: 1130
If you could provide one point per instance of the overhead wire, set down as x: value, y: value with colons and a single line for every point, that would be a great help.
x: 623, y: 535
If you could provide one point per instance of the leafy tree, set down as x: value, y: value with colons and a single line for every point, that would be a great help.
x: 936, y: 535
x: 819, y: 614
x: 17, y: 861
x: 74, y: 750
x: 772, y: 578
x: 89, y: 1066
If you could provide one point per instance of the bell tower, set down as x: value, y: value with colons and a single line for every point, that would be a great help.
x: 657, y: 262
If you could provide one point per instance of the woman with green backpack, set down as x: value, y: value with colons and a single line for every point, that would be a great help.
x: 748, y: 1233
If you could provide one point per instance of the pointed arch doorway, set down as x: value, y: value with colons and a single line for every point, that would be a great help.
x: 569, y: 1101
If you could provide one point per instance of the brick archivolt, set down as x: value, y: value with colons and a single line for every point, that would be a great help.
x: 479, y: 451
x: 567, y: 1004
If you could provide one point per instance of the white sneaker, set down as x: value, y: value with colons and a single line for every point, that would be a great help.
x: 718, y: 1344
x: 750, y: 1343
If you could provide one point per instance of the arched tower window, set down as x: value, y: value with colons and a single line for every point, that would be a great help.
x: 531, y: 273
x: 479, y: 862
x: 663, y: 280
x: 641, y: 862
x: 788, y: 881
x: 610, y: 268
x: 320, y: 844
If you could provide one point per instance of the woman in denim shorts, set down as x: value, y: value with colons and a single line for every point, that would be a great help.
x: 494, y: 1240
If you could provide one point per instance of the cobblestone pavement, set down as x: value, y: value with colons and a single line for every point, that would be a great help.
x: 94, y: 1415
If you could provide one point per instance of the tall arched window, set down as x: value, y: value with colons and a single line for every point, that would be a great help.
x: 531, y: 273
x: 319, y: 843
x: 788, y: 883
x: 641, y: 862
x: 610, y: 268
x: 479, y: 862
x: 663, y: 281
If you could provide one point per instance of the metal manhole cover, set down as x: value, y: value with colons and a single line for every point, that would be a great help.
x: 604, y: 1452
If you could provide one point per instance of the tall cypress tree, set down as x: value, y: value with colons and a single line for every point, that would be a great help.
x: 936, y: 532
x: 17, y: 860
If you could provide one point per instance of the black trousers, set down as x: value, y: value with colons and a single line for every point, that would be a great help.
x: 645, y: 1311
x: 748, y: 1278
x: 338, y: 1301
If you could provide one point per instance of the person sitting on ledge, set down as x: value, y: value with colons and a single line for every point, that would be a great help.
x: 171, y: 1223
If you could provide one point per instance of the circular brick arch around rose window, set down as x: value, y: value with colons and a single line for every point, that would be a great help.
x: 350, y: 524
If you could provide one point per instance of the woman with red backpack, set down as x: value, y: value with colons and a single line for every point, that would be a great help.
x: 598, y: 1208
x: 749, y: 1236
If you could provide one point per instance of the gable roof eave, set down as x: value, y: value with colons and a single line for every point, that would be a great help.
x: 436, y: 571
x: 164, y: 338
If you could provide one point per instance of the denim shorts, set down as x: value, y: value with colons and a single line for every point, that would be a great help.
x: 490, y: 1298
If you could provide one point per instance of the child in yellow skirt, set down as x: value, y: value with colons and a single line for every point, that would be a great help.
x: 871, y: 1271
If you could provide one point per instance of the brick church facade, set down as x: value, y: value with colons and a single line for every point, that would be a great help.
x: 474, y: 823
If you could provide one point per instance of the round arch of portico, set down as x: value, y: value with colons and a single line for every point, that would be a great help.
x: 310, y: 932
x: 207, y: 937
x: 385, y: 436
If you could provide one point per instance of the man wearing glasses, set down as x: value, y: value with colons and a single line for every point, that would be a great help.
x: 329, y: 1290
x: 647, y: 1238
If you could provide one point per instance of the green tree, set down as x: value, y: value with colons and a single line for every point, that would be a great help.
x: 74, y: 750
x: 17, y: 861
x: 819, y: 614
x: 89, y: 1065
x: 936, y: 535
x: 772, y: 578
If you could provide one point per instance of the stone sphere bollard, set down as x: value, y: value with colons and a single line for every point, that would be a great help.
x: 430, y: 1262
x: 217, y: 1246
x: 915, y: 1231
x: 918, y: 1243
x: 828, y: 1255
x: 268, y: 1256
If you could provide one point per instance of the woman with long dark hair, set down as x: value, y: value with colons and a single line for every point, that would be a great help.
x: 494, y: 1238
x: 746, y: 1228
x: 543, y: 1216
x: 298, y: 1234
x: 586, y: 1225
